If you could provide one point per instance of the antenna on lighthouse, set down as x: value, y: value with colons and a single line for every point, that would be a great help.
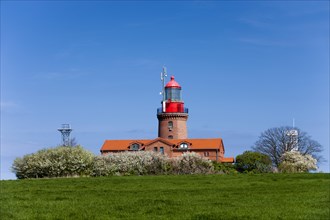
x: 65, y: 131
x: 163, y: 74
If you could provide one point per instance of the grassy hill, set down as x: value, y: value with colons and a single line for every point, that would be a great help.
x: 271, y: 196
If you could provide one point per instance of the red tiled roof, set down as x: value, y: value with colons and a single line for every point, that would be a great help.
x: 211, y: 143
x: 165, y: 141
x: 227, y: 160
x: 120, y: 144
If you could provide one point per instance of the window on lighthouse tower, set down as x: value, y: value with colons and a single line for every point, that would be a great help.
x: 170, y: 125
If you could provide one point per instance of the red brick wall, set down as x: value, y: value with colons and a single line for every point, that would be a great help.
x: 158, y: 144
x: 179, y: 130
x: 212, y: 154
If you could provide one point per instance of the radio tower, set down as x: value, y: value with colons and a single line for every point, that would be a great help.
x: 65, y: 131
x: 293, y: 134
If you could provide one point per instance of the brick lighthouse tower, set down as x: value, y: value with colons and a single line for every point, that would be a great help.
x: 172, y: 116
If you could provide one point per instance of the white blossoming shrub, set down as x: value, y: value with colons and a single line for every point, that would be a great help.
x: 295, y: 162
x: 131, y: 163
x: 54, y: 162
x: 192, y: 163
x: 150, y: 163
x: 75, y: 161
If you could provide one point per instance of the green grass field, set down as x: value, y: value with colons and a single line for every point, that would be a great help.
x: 270, y: 196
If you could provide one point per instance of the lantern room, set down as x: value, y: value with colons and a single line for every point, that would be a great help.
x: 173, y: 91
x: 173, y: 102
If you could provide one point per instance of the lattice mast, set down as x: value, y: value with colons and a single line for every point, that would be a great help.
x: 65, y: 131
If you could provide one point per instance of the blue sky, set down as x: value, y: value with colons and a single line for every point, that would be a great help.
x: 244, y: 67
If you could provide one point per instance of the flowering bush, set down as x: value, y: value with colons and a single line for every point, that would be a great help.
x: 131, y: 163
x: 54, y: 162
x: 295, y: 162
x: 191, y: 163
x: 75, y: 161
x: 150, y: 163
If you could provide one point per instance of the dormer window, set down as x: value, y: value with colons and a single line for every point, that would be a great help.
x: 183, y: 146
x: 135, y: 147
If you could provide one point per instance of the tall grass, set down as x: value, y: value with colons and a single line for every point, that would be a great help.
x: 267, y: 196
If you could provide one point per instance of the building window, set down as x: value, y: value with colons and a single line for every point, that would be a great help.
x: 183, y: 146
x: 206, y: 154
x: 161, y: 150
x: 155, y: 149
x: 170, y: 125
x: 170, y: 137
x: 135, y: 147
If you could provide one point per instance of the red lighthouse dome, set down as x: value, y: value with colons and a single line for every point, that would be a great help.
x: 172, y: 83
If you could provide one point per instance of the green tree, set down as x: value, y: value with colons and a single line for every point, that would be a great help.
x: 254, y: 162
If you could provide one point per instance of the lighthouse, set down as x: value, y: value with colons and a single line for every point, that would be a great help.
x: 172, y: 139
x: 172, y: 116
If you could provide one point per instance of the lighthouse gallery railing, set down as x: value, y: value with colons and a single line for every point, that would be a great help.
x: 160, y: 111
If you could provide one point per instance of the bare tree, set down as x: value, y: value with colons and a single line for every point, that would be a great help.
x: 274, y: 142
